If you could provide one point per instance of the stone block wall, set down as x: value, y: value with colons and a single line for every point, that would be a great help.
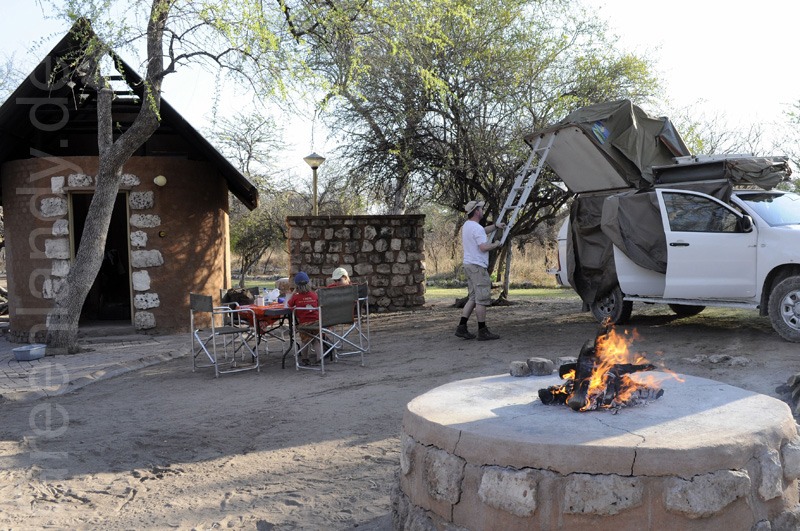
x: 439, y: 490
x: 178, y: 237
x: 386, y: 251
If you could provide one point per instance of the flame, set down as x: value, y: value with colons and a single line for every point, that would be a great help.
x: 602, y: 376
x: 613, y: 348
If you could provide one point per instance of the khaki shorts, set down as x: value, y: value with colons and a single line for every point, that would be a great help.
x: 479, y: 284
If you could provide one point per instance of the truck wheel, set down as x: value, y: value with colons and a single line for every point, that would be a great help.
x: 784, y: 308
x: 612, y: 307
x: 686, y: 310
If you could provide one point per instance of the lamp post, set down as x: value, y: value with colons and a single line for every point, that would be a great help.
x: 315, y: 161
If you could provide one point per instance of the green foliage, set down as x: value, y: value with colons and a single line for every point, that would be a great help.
x: 434, y: 100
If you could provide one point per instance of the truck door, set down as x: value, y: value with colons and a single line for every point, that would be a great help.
x: 708, y: 254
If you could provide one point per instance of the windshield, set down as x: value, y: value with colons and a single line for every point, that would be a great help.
x: 774, y: 208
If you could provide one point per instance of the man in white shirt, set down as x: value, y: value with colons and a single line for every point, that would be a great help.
x: 476, y: 263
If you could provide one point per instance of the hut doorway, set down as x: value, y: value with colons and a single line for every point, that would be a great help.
x: 109, y: 298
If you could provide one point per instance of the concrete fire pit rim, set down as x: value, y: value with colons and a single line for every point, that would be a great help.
x: 698, y: 426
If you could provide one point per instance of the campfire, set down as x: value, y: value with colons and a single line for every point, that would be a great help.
x: 600, y: 379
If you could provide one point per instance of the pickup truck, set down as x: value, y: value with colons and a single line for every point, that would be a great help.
x: 651, y: 222
x: 744, y: 253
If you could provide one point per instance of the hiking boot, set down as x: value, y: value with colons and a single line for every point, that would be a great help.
x: 485, y: 335
x: 461, y: 331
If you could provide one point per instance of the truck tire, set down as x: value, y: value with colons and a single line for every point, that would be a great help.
x: 612, y: 307
x: 784, y: 308
x: 686, y: 310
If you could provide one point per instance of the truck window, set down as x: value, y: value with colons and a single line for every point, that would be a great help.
x: 774, y: 207
x: 694, y: 213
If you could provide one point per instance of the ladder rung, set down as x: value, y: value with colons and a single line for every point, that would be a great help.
x: 524, y: 183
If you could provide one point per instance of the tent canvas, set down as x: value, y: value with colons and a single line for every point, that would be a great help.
x: 610, y: 145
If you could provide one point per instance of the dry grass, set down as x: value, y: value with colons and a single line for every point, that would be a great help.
x: 528, y: 267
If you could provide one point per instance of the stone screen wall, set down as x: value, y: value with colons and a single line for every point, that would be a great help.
x: 386, y: 251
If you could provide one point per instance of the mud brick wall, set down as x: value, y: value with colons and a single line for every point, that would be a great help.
x: 386, y: 251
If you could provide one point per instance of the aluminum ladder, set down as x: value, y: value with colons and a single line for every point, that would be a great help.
x: 524, y: 183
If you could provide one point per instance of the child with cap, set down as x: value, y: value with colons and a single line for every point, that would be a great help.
x: 303, y: 297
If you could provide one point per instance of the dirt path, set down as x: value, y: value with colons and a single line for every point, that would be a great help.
x: 167, y: 448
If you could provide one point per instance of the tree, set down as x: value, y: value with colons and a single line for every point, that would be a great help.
x: 712, y: 134
x: 251, y: 140
x: 251, y: 236
x: 10, y: 76
x: 69, y: 298
x: 176, y: 33
x: 445, y: 118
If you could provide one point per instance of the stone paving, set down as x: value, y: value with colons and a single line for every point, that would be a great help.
x: 105, y: 357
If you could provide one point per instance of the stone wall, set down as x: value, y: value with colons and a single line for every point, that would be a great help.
x: 178, y: 237
x: 386, y: 251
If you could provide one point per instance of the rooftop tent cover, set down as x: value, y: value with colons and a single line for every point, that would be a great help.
x: 611, y: 145
x: 642, y: 139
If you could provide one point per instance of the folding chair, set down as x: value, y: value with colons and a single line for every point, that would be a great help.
x: 336, y: 323
x: 359, y: 330
x: 226, y: 336
x: 362, y: 311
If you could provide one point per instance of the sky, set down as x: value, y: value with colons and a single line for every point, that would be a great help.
x: 736, y: 59
x: 732, y: 60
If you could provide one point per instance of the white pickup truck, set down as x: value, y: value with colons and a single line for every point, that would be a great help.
x: 743, y: 254
x: 650, y: 222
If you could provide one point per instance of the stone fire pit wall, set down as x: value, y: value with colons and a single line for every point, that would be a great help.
x: 485, y: 454
x: 387, y: 251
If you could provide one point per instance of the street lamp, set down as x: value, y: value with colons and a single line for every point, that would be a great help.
x: 315, y: 161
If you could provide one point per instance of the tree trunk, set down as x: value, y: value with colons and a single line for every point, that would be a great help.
x: 63, y: 319
x: 507, y: 276
x: 70, y: 294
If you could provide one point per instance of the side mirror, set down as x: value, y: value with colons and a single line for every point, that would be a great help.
x: 746, y: 224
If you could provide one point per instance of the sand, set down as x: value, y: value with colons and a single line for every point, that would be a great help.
x: 165, y: 448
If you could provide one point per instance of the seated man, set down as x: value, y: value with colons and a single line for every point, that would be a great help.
x: 339, y: 277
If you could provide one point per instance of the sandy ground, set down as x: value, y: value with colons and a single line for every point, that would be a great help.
x: 165, y: 448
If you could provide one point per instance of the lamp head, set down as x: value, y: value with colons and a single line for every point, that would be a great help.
x: 314, y: 160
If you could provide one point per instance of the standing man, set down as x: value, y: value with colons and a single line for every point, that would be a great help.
x: 476, y: 262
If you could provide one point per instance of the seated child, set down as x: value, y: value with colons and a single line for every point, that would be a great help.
x: 302, y: 297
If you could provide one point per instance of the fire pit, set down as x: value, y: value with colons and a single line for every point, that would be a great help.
x: 486, y: 454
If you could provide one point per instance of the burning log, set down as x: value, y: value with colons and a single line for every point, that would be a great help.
x: 600, y: 377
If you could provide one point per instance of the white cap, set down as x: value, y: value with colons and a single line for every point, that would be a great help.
x: 338, y: 273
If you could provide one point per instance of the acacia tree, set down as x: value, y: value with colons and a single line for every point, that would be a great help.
x: 251, y: 140
x: 113, y: 153
x: 247, y: 37
x: 445, y: 118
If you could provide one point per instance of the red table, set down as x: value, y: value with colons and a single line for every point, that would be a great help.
x: 271, y: 317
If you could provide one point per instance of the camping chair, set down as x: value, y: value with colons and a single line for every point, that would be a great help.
x: 226, y: 336
x: 359, y: 330
x: 362, y: 311
x: 336, y: 327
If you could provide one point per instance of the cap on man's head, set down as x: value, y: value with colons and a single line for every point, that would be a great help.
x: 301, y: 278
x: 472, y: 205
x: 338, y: 273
